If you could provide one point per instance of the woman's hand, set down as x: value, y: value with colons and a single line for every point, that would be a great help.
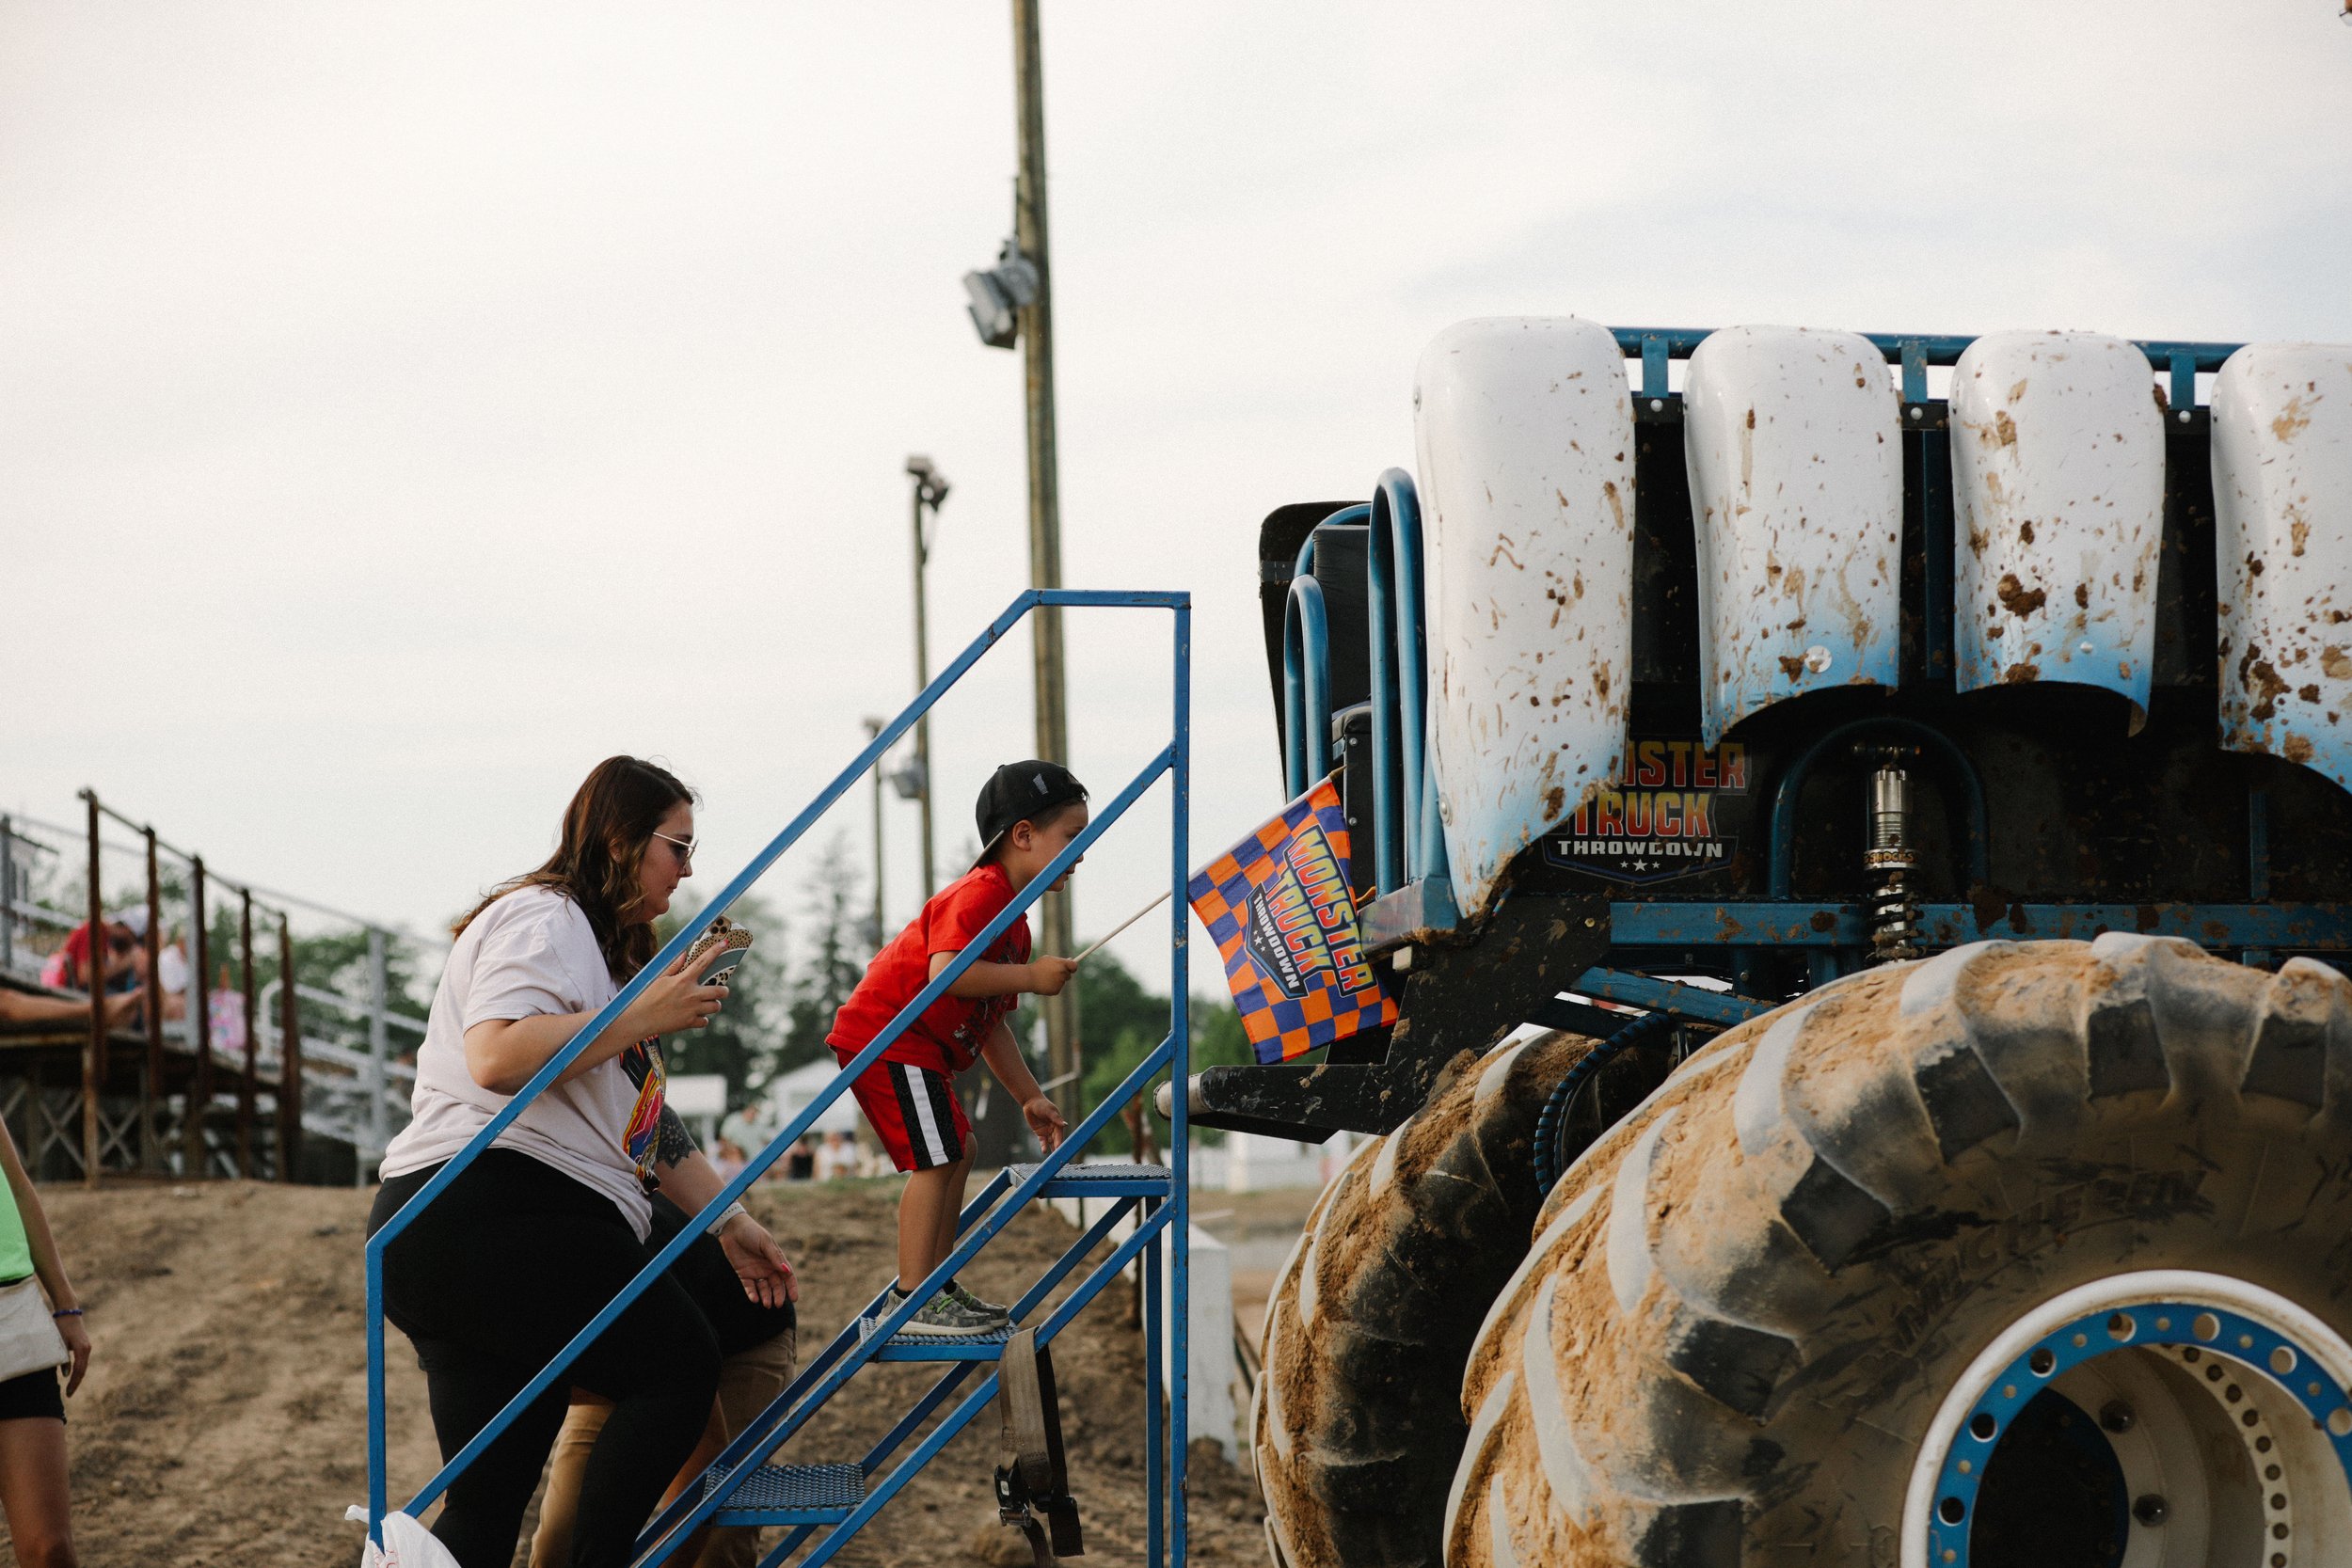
x: 77, y: 1346
x: 1045, y: 1120
x: 675, y: 1001
x: 759, y: 1264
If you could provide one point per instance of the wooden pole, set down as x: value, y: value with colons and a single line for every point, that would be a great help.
x: 199, y: 1095
x: 151, y: 1084
x: 1055, y: 915
x: 94, y: 1067
x: 244, y: 1082
x: 289, y: 1058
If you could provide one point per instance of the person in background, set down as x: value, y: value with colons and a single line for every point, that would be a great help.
x: 838, y: 1159
x: 171, y: 973
x: 68, y: 967
x: 16, y: 1006
x: 727, y: 1159
x: 799, y: 1161
x: 33, y: 1490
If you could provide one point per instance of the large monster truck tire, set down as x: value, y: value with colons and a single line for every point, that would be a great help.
x: 2029, y: 1254
x: 1357, y: 1411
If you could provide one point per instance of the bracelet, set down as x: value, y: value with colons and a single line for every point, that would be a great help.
x: 67, y: 1312
x: 725, y: 1215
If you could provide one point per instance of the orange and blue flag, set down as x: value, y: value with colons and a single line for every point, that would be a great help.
x: 1282, y: 914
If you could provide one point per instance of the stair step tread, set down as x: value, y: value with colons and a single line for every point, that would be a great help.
x: 945, y: 1347
x: 1099, y: 1179
x: 791, y: 1494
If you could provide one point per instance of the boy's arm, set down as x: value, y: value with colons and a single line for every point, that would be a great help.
x: 1039, y: 977
x: 1003, y: 1055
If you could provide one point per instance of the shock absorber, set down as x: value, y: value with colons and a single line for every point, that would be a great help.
x: 1891, y: 857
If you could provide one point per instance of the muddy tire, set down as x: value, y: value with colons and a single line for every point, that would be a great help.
x: 1765, y: 1316
x: 1357, y: 1411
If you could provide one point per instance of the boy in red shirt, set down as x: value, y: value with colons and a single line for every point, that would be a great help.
x: 1028, y: 812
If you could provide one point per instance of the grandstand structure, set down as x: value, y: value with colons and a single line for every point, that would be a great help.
x: 256, y: 1078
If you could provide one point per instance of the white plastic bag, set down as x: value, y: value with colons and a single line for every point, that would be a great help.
x: 407, y: 1543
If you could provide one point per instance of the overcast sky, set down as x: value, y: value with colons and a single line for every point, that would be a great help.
x: 404, y: 406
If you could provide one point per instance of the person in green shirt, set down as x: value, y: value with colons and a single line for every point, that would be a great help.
x: 32, y: 1414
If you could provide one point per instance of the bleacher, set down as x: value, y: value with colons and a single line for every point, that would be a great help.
x: 250, y: 1081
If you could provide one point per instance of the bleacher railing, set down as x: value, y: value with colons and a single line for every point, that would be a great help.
x: 1161, y: 1227
x: 360, y: 1095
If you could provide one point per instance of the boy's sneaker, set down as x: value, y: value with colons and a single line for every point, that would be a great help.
x: 943, y: 1316
x: 1003, y: 1316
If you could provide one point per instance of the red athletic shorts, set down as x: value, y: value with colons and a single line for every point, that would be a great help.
x: 916, y: 1113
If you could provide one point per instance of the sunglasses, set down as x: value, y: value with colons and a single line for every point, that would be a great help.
x: 685, y: 848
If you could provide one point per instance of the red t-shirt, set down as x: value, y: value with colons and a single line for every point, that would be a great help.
x: 949, y: 1034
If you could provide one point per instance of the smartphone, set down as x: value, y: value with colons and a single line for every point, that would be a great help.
x: 726, y: 934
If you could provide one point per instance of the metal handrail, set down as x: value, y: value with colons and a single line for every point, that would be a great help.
x: 1175, y: 759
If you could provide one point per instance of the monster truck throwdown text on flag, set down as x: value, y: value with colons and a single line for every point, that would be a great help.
x: 1279, y: 907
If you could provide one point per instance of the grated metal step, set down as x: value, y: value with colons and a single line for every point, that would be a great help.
x: 944, y: 1347
x: 791, y: 1494
x: 1103, y: 1180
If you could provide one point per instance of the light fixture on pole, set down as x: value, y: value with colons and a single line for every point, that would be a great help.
x: 999, y: 295
x: 930, y: 489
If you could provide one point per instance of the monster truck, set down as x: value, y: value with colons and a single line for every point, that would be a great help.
x: 1858, y: 831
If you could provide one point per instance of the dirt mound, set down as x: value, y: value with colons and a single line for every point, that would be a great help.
x: 223, y: 1420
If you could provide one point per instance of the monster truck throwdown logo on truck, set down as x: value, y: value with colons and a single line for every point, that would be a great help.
x: 1658, y: 822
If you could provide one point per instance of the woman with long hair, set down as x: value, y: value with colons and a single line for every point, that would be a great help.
x: 534, y: 1237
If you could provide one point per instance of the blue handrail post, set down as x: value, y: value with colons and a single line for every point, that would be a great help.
x: 1180, y: 1075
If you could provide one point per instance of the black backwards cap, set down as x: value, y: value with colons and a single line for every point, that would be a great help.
x: 1022, y: 792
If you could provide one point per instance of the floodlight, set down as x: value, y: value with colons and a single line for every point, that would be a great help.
x: 999, y: 294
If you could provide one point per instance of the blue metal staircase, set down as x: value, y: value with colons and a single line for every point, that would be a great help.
x: 827, y: 1503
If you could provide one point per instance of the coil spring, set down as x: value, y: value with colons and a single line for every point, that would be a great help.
x: 1894, y: 921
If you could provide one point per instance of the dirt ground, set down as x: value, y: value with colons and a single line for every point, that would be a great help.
x: 224, y: 1419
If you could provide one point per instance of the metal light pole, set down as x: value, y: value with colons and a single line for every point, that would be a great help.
x: 930, y: 489
x: 873, y: 728
x: 1037, y: 344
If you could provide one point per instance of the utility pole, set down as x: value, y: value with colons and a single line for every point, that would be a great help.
x: 874, y: 728
x: 930, y: 489
x: 1037, y: 344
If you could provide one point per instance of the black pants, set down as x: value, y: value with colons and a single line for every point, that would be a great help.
x: 496, y: 1277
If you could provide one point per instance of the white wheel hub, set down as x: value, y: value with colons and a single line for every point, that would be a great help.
x: 2223, y: 1409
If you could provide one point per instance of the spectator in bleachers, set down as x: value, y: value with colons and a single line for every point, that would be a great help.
x: 16, y: 1006
x: 68, y: 967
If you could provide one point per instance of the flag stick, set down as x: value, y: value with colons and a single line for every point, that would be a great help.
x: 1158, y: 898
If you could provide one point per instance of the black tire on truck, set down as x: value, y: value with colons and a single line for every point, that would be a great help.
x: 1357, y: 1411
x: 1933, y: 1261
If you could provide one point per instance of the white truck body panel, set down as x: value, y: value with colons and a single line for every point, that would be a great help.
x: 1794, y: 450
x: 2282, y: 539
x: 1524, y: 433
x: 2058, y: 489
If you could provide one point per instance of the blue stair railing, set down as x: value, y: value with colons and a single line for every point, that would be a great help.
x: 840, y: 1497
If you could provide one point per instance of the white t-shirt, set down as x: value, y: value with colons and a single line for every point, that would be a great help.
x: 530, y: 953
